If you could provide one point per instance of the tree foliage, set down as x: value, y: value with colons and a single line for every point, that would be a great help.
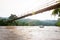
x: 57, y: 12
x: 3, y: 21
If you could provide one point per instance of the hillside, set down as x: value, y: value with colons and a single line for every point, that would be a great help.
x: 28, y: 22
x: 39, y: 22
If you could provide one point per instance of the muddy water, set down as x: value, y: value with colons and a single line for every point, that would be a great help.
x: 29, y: 33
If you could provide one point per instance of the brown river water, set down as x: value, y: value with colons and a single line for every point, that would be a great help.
x: 29, y: 33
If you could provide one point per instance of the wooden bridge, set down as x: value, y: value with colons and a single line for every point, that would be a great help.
x: 55, y: 6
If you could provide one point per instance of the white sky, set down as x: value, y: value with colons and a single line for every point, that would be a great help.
x: 21, y: 7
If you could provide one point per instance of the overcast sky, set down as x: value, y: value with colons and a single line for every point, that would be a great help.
x: 22, y: 7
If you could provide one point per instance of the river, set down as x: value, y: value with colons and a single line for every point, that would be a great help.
x: 29, y: 33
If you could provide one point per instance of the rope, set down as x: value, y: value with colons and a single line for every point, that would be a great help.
x: 49, y: 4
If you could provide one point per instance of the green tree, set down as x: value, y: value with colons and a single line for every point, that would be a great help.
x: 57, y: 12
x: 3, y: 22
x: 12, y: 16
x: 14, y: 23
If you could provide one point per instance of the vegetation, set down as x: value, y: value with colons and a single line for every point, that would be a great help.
x: 25, y: 22
x: 58, y: 22
x: 57, y: 12
x: 3, y: 21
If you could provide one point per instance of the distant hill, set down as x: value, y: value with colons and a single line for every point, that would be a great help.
x: 49, y: 22
x: 39, y: 22
x: 32, y: 22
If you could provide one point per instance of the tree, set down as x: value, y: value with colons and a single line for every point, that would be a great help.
x: 15, y: 23
x: 57, y: 12
x: 13, y: 16
x: 3, y: 21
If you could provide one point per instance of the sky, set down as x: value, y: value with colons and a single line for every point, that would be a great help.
x: 22, y: 7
